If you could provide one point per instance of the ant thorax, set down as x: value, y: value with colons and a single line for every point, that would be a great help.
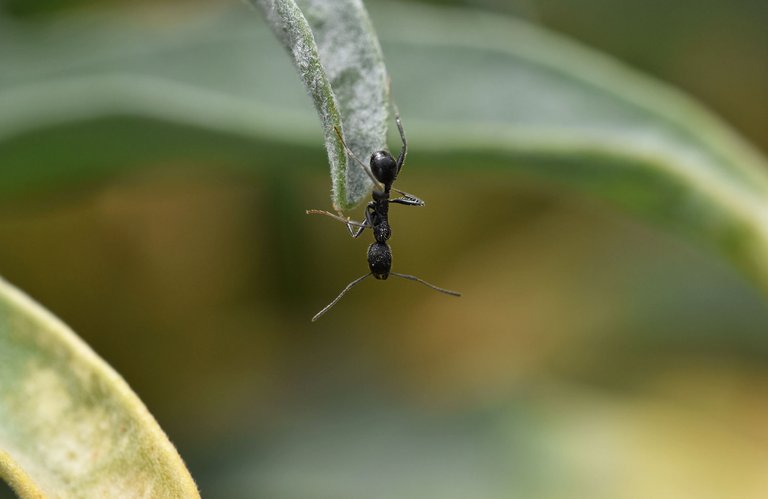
x: 382, y: 232
x: 379, y: 216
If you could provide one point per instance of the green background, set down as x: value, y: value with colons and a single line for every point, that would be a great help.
x: 591, y: 355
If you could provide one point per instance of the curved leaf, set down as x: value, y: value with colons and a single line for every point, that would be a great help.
x: 477, y: 91
x: 555, y: 109
x: 339, y: 59
x: 69, y: 425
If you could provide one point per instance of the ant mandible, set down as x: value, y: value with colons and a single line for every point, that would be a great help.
x: 383, y: 171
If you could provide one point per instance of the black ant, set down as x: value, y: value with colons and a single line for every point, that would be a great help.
x: 383, y: 171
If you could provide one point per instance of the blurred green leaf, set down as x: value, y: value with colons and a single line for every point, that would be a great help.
x: 89, y: 96
x: 340, y: 62
x: 69, y: 425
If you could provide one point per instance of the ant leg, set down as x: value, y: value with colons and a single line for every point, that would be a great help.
x: 343, y: 292
x: 363, y: 225
x: 407, y: 199
x: 422, y: 281
x: 366, y: 169
x: 349, y: 223
x: 367, y: 222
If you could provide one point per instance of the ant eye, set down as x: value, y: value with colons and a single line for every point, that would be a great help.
x: 384, y: 167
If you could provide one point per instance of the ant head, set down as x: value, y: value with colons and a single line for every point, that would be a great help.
x: 383, y: 167
x: 379, y: 260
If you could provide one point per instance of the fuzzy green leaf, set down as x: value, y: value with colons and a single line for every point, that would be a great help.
x: 476, y: 91
x: 69, y: 425
x: 339, y: 59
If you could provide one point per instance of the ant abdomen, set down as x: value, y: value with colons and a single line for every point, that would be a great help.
x: 383, y: 167
x: 380, y: 260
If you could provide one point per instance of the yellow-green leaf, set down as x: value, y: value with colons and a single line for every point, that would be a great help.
x: 69, y: 425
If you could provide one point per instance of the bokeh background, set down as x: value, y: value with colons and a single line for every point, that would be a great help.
x: 592, y: 355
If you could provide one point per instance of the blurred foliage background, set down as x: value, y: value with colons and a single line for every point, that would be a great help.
x: 590, y: 356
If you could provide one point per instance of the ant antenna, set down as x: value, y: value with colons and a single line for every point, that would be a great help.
x: 414, y: 278
x: 404, y: 150
x: 349, y: 151
x: 343, y: 292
